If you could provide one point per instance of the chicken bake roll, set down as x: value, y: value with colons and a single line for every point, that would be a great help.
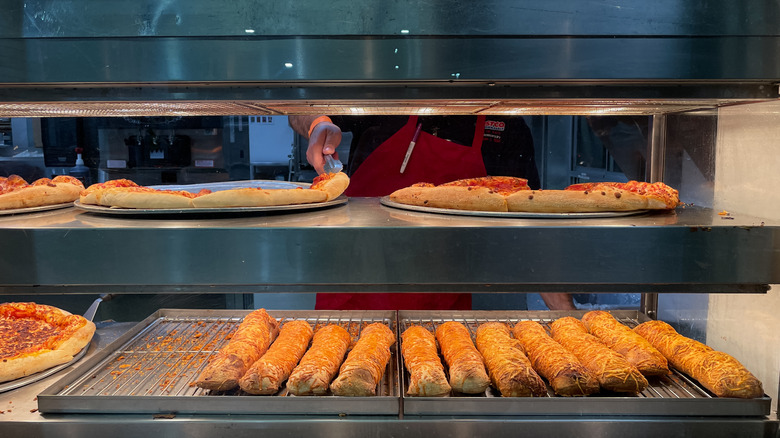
x: 366, y: 363
x: 421, y: 358
x: 717, y: 371
x: 612, y: 370
x: 510, y: 370
x: 321, y: 363
x: 267, y: 374
x: 559, y: 366
x: 619, y: 337
x: 466, y: 366
x: 250, y: 341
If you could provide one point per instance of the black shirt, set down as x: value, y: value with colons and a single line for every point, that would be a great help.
x: 507, y: 145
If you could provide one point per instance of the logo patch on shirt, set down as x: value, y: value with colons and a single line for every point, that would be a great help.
x: 493, y: 130
x: 491, y: 125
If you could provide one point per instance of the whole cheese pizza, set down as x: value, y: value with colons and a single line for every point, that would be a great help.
x: 124, y: 193
x: 510, y: 194
x: 35, y: 337
x: 16, y: 193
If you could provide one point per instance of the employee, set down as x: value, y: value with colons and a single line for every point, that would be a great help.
x: 447, y: 148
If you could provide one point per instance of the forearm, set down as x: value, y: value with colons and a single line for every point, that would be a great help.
x: 301, y: 124
x: 558, y: 301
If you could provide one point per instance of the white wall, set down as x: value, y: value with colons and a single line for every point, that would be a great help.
x: 746, y: 177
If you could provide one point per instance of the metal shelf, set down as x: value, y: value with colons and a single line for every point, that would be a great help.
x: 21, y: 418
x: 366, y: 247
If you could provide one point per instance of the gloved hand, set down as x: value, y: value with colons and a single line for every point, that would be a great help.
x: 324, y: 139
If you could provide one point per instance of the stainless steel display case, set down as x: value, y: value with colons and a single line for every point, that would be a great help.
x: 672, y: 60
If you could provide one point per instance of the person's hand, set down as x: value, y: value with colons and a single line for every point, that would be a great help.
x: 558, y: 301
x: 324, y: 139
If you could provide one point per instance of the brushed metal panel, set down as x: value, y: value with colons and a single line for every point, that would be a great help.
x: 165, y: 59
x: 381, y: 248
x: 80, y: 18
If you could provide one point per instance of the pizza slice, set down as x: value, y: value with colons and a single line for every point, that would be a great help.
x: 16, y: 193
x: 658, y: 194
x: 37, y: 337
x: 324, y: 188
x: 127, y: 194
x: 487, y: 193
x: 508, y: 194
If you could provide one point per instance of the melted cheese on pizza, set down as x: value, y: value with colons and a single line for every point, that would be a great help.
x: 504, y: 185
x: 656, y: 190
x: 26, y: 328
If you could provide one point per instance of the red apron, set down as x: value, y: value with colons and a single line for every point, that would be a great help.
x: 433, y: 160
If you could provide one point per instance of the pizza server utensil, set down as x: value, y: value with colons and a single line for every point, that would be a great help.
x: 32, y: 378
x: 332, y: 165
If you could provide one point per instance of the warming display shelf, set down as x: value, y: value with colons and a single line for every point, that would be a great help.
x: 22, y: 418
x: 151, y: 368
x: 693, y: 250
x: 676, y: 394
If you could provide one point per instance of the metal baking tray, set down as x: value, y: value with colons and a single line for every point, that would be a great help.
x: 151, y: 368
x: 675, y: 395
x: 385, y: 200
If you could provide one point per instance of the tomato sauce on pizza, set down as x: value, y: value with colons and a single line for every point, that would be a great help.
x: 16, y: 193
x: 510, y: 194
x: 36, y: 337
x: 29, y: 327
x: 124, y: 193
x: 504, y: 185
x: 657, y: 190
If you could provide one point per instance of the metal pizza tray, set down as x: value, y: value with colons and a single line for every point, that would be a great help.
x: 151, y: 368
x: 675, y: 395
x: 157, y: 213
x: 26, y: 380
x: 215, y: 187
x: 385, y: 200
x: 35, y: 209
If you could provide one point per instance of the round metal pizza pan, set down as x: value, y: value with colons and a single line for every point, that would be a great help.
x: 215, y: 187
x: 32, y: 378
x: 207, y: 211
x: 509, y: 214
x: 35, y: 209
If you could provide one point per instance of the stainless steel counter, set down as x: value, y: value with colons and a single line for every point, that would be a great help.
x: 19, y: 418
x: 364, y: 246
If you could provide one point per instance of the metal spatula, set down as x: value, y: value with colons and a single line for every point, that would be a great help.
x: 332, y: 165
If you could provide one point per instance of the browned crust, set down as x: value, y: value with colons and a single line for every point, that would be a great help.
x: 334, y: 186
x: 361, y: 372
x: 612, y: 370
x: 131, y: 197
x: 574, y: 201
x: 717, y: 371
x: 267, y: 374
x: 561, y: 368
x: 31, y: 362
x: 453, y: 197
x: 421, y: 358
x: 619, y: 337
x: 510, y: 370
x: 475, y: 198
x: 320, y: 364
x: 40, y: 195
x: 253, y: 197
x: 466, y: 366
x: 249, y: 342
